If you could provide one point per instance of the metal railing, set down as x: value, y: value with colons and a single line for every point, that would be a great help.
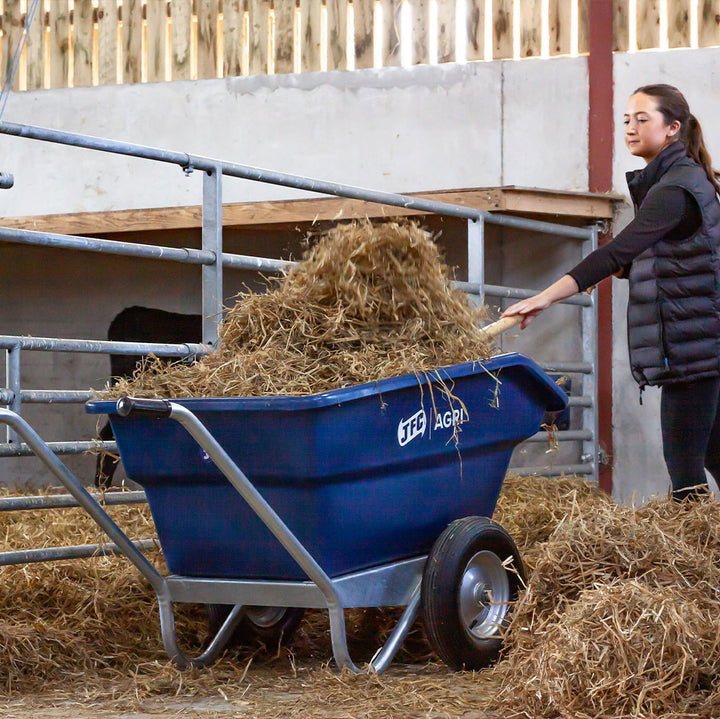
x: 213, y: 260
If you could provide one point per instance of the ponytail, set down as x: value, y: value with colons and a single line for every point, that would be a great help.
x: 692, y: 137
x: 673, y: 105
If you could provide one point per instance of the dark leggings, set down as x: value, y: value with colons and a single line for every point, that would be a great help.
x: 690, y: 423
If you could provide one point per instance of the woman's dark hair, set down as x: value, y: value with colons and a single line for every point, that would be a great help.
x: 674, y: 106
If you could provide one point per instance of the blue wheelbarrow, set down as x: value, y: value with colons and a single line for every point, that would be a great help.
x: 374, y: 495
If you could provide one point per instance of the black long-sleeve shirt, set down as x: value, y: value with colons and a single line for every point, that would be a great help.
x: 667, y: 213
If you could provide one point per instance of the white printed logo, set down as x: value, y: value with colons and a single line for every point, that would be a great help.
x: 451, y: 418
x: 412, y: 427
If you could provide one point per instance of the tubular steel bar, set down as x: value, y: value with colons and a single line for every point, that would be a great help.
x: 193, y: 162
x: 212, y: 242
x: 19, y: 449
x: 101, y: 347
x: 63, y: 501
x: 80, y: 551
x: 569, y: 469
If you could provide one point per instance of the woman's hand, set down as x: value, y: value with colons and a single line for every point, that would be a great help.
x: 530, y: 308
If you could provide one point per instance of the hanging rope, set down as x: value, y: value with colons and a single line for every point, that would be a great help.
x: 16, y: 57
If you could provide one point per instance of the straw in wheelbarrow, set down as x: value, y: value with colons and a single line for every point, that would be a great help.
x: 367, y: 302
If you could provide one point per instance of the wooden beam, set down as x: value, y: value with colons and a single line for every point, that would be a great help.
x: 547, y: 204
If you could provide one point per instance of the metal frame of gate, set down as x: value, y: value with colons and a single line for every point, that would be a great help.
x: 213, y: 260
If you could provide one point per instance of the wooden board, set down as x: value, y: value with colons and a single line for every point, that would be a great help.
x: 475, y: 29
x: 544, y: 204
x: 584, y: 25
x: 107, y: 42
x: 391, y: 33
x: 420, y: 31
x: 207, y: 38
x: 59, y: 43
x: 284, y: 35
x: 83, y: 43
x: 648, y: 24
x: 12, y: 33
x: 530, y: 28
x: 181, y: 39
x: 337, y: 33
x: 364, y: 15
x: 502, y: 29
x: 35, y: 52
x: 709, y: 23
x: 258, y: 36
x: 132, y: 28
x: 232, y: 30
x: 445, y: 30
x: 621, y: 25
x: 310, y: 27
x: 678, y: 23
x: 156, y: 40
x: 559, y: 27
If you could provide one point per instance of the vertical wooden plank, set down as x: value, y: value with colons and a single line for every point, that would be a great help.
x: 59, y: 43
x: 621, y: 25
x: 310, y: 49
x: 391, y: 33
x: 475, y: 29
x: 559, y: 27
x: 502, y: 33
x: 337, y: 20
x: 107, y: 42
x: 446, y: 30
x: 12, y: 32
x: 284, y: 35
x: 678, y: 23
x: 420, y: 31
x: 156, y: 40
x: 35, y: 51
x: 82, y: 43
x: 232, y: 37
x: 530, y: 28
x: 132, y: 20
x: 181, y: 39
x: 207, y: 38
x: 584, y: 26
x: 648, y: 24
x: 364, y: 17
x: 709, y: 23
x: 258, y: 36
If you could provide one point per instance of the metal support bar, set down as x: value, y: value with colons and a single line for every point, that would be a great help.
x: 80, y: 551
x: 12, y: 380
x: 19, y: 449
x: 476, y: 256
x: 212, y: 242
x: 47, y: 396
x: 569, y: 469
x: 570, y: 435
x: 473, y: 288
x: 591, y: 447
x: 101, y: 347
x: 569, y: 367
x: 63, y: 501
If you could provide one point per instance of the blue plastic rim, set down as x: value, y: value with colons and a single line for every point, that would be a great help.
x: 363, y: 476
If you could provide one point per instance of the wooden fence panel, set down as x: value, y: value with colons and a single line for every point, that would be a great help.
x: 337, y: 21
x: 475, y: 29
x: 156, y: 40
x: 310, y: 48
x: 530, y: 28
x: 284, y: 35
x: 12, y: 32
x: 678, y: 23
x: 502, y: 29
x: 132, y: 27
x: 709, y: 23
x: 59, y: 43
x: 207, y: 38
x: 446, y: 30
x: 621, y: 25
x: 364, y: 17
x: 82, y: 43
x: 420, y: 31
x: 584, y: 26
x: 233, y: 12
x: 258, y: 36
x: 107, y: 42
x: 35, y: 52
x: 181, y: 39
x: 559, y: 27
x: 391, y: 33
x: 648, y: 24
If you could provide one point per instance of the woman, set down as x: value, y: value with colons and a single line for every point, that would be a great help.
x: 670, y: 253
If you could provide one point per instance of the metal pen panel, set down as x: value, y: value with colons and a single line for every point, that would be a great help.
x: 12, y: 379
x: 212, y: 242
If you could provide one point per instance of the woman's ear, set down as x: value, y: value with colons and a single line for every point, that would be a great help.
x: 674, y: 128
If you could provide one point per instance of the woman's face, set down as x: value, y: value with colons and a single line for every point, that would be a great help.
x: 646, y: 134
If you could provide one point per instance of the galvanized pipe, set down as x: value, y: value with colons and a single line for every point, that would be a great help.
x: 64, y: 501
x: 46, y: 396
x: 568, y: 469
x: 570, y: 435
x: 80, y: 551
x: 19, y: 449
x: 101, y: 347
x: 473, y: 288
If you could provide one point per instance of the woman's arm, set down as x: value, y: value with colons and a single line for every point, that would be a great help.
x: 530, y: 308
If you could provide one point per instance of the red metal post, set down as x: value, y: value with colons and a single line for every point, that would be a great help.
x: 600, y: 159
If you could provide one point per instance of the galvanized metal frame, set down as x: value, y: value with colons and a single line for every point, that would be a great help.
x: 213, y: 260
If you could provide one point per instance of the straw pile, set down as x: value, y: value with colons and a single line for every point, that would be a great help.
x: 621, y: 616
x: 366, y: 303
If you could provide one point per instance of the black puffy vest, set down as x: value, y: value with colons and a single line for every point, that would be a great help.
x: 674, y: 306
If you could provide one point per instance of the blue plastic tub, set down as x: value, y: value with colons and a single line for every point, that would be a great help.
x: 363, y: 476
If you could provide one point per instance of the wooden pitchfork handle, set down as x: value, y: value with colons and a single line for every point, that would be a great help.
x: 503, y: 324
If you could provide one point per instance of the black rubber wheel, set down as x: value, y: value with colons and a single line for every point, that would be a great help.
x: 271, y: 626
x: 468, y: 588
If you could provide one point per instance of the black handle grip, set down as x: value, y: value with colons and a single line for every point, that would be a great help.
x: 149, y: 407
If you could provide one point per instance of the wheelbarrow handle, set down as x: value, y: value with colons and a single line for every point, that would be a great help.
x: 503, y: 324
x: 126, y: 406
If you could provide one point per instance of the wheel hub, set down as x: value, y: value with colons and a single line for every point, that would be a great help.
x: 484, y: 595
